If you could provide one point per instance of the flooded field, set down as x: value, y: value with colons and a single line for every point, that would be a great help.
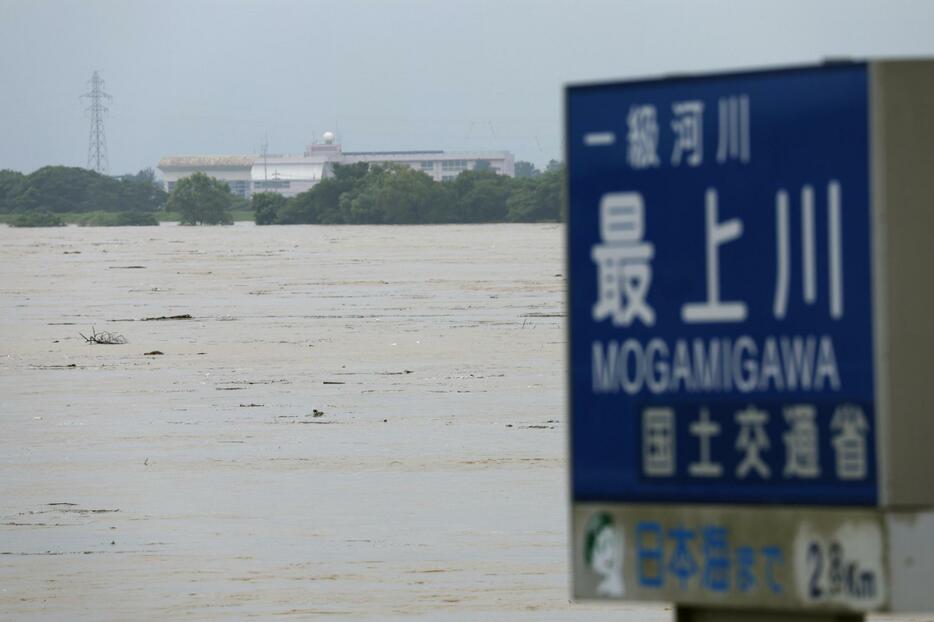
x: 365, y: 422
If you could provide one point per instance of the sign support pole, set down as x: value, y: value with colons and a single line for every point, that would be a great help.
x: 710, y: 614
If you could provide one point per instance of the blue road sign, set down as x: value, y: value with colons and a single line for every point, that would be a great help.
x: 720, y: 301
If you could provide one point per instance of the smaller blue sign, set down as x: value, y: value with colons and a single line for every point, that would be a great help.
x: 704, y: 557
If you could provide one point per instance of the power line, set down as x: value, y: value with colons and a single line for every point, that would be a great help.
x: 97, y: 141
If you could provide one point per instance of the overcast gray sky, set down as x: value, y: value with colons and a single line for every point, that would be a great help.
x: 192, y: 76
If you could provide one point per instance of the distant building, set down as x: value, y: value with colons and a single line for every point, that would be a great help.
x: 235, y: 170
x: 287, y: 175
x: 291, y: 175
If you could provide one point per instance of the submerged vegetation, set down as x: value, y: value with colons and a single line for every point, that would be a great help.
x: 117, y: 219
x: 36, y: 219
x: 397, y: 194
x: 201, y: 200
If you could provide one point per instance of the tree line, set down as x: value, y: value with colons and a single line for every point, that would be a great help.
x: 365, y: 193
x: 359, y: 193
x: 64, y: 189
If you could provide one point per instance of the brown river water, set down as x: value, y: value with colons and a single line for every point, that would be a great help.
x: 356, y: 422
x: 364, y: 422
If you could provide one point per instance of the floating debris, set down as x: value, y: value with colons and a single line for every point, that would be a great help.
x: 186, y: 316
x: 105, y: 338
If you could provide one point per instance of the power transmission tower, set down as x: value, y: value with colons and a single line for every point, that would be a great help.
x: 97, y: 142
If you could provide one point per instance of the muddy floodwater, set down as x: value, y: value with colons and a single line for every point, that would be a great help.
x: 365, y: 422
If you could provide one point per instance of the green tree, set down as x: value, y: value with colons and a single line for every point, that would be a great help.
x: 201, y: 200
x: 28, y: 200
x: 146, y: 176
x: 63, y: 189
x: 479, y: 196
x: 523, y: 202
x: 266, y: 207
x: 11, y: 186
x: 391, y: 194
x: 537, y: 199
x: 301, y: 209
x: 322, y: 204
x: 526, y: 169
